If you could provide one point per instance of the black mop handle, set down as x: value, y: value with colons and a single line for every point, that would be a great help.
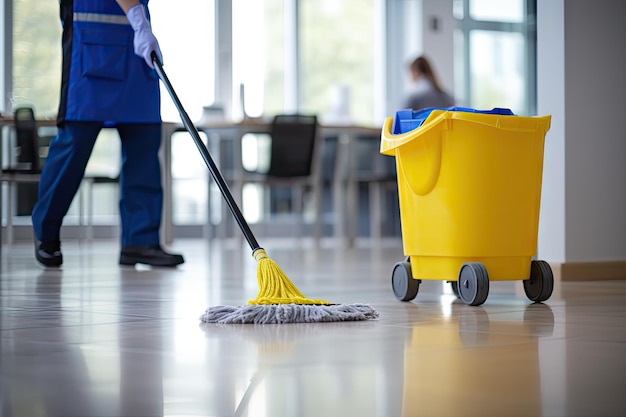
x: 215, y: 173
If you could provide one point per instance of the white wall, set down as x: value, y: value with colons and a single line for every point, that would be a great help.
x: 581, y: 81
x: 417, y: 37
x: 595, y: 59
x: 403, y: 43
x: 438, y: 44
x: 551, y: 100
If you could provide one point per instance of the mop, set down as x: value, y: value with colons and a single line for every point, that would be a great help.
x: 278, y: 299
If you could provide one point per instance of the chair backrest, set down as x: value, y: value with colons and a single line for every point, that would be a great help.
x: 293, y: 145
x: 27, y: 138
x: 370, y: 162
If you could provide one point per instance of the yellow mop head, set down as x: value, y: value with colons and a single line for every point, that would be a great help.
x: 279, y: 301
x: 274, y: 285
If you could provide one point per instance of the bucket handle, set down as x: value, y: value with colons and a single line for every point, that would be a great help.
x: 418, y: 158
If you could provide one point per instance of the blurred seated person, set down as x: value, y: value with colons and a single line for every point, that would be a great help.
x: 426, y: 90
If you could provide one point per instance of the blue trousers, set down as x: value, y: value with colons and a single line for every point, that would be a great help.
x: 141, y: 193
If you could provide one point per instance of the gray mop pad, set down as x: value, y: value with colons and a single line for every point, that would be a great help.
x: 287, y: 313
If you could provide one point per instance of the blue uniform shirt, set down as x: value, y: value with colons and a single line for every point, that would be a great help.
x: 103, y: 79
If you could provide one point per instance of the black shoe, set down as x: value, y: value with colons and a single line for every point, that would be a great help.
x: 149, y: 255
x: 49, y: 253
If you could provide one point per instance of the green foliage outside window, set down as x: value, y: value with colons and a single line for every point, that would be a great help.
x: 36, y: 55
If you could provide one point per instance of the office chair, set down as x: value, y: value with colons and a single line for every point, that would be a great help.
x: 90, y: 181
x: 292, y: 165
x: 375, y: 175
x: 96, y: 175
x: 25, y: 162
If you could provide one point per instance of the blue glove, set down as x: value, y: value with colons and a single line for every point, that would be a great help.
x: 144, y: 41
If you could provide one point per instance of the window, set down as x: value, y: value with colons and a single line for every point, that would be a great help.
x: 36, y: 56
x: 336, y: 58
x: 307, y: 56
x: 312, y: 56
x: 260, y: 66
x: 495, y: 54
x: 497, y: 10
x: 186, y: 38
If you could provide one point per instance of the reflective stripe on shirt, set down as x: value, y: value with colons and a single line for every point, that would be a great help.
x: 116, y: 19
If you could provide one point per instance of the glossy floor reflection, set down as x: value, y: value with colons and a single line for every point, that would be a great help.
x: 94, y: 339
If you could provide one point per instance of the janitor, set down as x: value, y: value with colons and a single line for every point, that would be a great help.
x: 108, y: 80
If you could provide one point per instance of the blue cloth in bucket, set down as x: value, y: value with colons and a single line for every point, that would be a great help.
x: 408, y: 119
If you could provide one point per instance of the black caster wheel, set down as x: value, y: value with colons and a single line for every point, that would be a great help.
x: 455, y: 288
x: 473, y: 284
x: 541, y: 283
x: 405, y: 287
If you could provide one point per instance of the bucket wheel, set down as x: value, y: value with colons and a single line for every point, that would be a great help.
x: 541, y: 283
x: 473, y: 284
x: 404, y: 286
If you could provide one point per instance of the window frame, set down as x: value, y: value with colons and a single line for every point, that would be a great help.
x: 527, y: 28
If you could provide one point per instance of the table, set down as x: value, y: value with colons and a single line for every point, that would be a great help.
x: 344, y: 187
x: 344, y: 184
x: 216, y: 132
x: 345, y: 192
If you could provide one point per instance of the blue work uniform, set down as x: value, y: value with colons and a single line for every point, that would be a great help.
x: 104, y: 84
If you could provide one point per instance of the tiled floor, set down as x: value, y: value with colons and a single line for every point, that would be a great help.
x: 94, y: 339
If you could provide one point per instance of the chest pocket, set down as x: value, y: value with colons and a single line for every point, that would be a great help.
x: 104, y: 53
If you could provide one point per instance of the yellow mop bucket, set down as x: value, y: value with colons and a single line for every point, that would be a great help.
x: 469, y: 184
